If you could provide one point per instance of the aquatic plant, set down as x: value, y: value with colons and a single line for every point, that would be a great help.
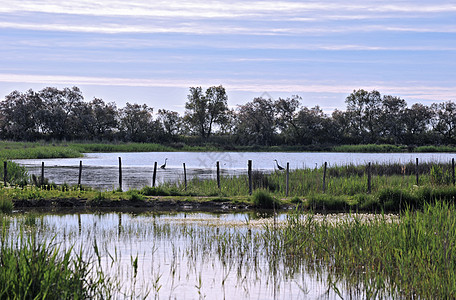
x: 32, y: 269
x: 16, y: 174
x: 405, y: 258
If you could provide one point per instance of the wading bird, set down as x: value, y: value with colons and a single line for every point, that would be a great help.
x: 164, y: 165
x: 278, y: 166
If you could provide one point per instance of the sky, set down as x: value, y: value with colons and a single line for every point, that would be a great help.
x: 151, y: 52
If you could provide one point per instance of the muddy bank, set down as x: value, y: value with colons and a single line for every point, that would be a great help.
x: 161, y: 203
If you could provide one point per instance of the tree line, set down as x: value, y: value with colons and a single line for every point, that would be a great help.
x: 62, y: 114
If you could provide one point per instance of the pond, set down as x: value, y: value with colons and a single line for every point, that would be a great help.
x: 100, y: 170
x: 185, y: 255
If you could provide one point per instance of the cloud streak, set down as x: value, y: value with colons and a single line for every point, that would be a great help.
x: 218, y: 9
x: 414, y: 90
x: 315, y: 47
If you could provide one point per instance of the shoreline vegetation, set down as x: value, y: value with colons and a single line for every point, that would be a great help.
x: 42, y: 150
x: 390, y: 187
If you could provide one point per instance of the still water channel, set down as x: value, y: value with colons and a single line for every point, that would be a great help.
x: 186, y: 255
x: 100, y: 170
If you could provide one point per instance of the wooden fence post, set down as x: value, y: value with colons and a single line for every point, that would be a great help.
x: 185, y: 177
x: 417, y: 172
x: 80, y: 174
x: 287, y: 180
x: 324, y: 177
x: 369, y: 178
x: 154, y: 176
x: 249, y: 171
x: 42, y: 174
x: 79, y: 223
x: 452, y: 170
x: 120, y: 173
x: 218, y: 174
x: 5, y: 173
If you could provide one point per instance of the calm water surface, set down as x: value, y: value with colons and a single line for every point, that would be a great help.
x: 100, y: 170
x: 186, y: 255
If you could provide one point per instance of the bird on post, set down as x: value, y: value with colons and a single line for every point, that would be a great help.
x: 278, y: 166
x: 164, y: 165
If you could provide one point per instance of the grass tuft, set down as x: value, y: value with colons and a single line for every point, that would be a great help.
x: 263, y: 199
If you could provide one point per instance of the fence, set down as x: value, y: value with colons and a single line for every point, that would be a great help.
x: 250, y: 174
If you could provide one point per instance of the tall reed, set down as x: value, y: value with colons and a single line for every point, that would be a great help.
x: 407, y: 258
x: 35, y: 269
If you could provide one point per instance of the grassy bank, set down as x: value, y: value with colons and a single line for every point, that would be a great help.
x: 393, y: 188
x: 39, y: 150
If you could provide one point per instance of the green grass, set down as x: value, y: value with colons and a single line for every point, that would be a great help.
x: 411, y: 257
x: 13, y: 150
x: 370, y: 148
x: 393, y: 188
x: 6, y: 204
x: 38, y: 150
x: 263, y: 199
x: 36, y: 269
x: 435, y: 149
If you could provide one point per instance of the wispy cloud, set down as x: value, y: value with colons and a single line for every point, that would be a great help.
x: 217, y: 9
x: 405, y: 47
x: 413, y: 90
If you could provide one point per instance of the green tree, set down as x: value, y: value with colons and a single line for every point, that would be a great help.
x: 60, y: 117
x: 364, y: 109
x: 286, y: 112
x: 416, y: 119
x: 313, y: 126
x: 256, y: 122
x: 392, y: 119
x: 137, y: 124
x: 105, y: 119
x: 444, y: 120
x: 20, y: 115
x: 204, y: 111
x: 171, y: 122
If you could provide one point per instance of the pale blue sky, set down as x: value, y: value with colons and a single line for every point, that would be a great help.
x: 153, y: 51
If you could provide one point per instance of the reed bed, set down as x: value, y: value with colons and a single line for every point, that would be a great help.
x: 302, y: 255
x: 411, y: 257
x: 40, y: 269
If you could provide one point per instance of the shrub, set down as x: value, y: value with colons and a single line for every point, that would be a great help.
x: 296, y: 200
x: 153, y: 191
x: 397, y: 198
x: 6, y: 205
x: 262, y: 199
x: 330, y: 202
x: 17, y: 174
x: 135, y: 195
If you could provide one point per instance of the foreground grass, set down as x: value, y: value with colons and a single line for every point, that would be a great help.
x: 36, y: 269
x: 411, y: 257
x: 407, y: 256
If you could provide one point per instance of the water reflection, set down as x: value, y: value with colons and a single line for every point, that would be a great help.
x: 188, y: 255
